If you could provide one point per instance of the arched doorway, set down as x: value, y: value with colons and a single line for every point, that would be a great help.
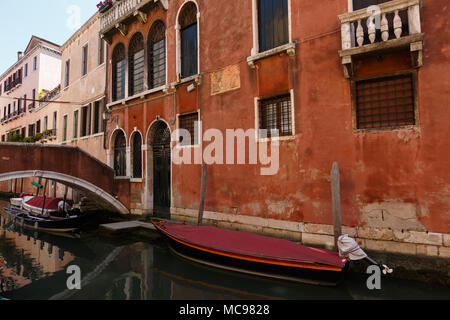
x: 120, y: 155
x: 161, y: 170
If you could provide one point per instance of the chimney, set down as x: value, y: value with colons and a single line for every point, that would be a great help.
x: 19, y: 55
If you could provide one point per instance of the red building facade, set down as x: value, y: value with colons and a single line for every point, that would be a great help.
x: 341, y: 82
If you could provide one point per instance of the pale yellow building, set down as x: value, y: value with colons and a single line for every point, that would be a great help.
x: 83, y: 79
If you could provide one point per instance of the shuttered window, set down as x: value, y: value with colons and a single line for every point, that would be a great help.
x: 273, y: 24
x: 118, y: 73
x: 387, y: 102
x: 136, y: 64
x: 157, y: 55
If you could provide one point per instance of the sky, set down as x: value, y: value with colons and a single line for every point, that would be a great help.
x: 53, y: 20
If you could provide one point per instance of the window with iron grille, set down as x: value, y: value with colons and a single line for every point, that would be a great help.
x: 273, y: 24
x: 157, y: 55
x: 275, y: 114
x: 189, y: 122
x: 118, y: 72
x: 136, y: 64
x: 189, y: 40
x: 120, y: 163
x: 137, y: 155
x: 386, y: 102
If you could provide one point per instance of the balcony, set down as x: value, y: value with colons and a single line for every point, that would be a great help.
x: 390, y: 26
x: 124, y: 12
x: 13, y: 84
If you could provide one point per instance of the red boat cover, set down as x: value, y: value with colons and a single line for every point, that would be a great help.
x: 50, y: 203
x: 251, y: 244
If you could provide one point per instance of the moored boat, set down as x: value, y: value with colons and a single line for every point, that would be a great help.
x: 254, y: 254
x: 46, y: 223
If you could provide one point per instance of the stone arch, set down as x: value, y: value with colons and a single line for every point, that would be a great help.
x: 149, y: 160
x: 105, y: 200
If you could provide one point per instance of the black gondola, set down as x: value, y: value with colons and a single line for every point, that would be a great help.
x: 46, y: 223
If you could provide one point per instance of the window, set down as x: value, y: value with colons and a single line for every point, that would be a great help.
x: 19, y: 106
x: 189, y: 40
x: 136, y: 64
x: 75, y: 125
x: 38, y: 126
x: 118, y: 72
x: 360, y: 4
x: 64, y: 133
x: 35, y: 63
x: 97, y: 117
x: 30, y: 130
x: 386, y: 102
x: 85, y: 121
x: 84, y: 61
x: 137, y: 155
x: 26, y: 70
x: 55, y: 119
x: 272, y: 24
x: 157, y: 55
x: 34, y: 98
x: 120, y: 163
x: 275, y: 114
x: 101, y: 51
x: 67, y: 74
x: 189, y: 122
x: 45, y: 123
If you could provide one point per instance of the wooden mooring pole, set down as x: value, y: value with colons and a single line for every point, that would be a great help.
x: 336, y: 203
x: 202, y: 195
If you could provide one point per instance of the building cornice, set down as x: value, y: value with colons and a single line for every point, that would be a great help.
x: 80, y: 31
x: 32, y: 52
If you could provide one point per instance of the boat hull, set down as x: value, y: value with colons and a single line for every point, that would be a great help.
x: 315, y: 274
x: 40, y: 223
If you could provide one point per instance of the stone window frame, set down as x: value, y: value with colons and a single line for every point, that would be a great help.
x: 131, y: 155
x: 178, y: 43
x: 199, y: 128
x: 257, y: 115
x: 255, y: 29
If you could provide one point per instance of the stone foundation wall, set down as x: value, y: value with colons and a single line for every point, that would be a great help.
x: 376, y: 239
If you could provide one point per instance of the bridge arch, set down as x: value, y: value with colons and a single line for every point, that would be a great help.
x: 67, y: 165
x: 106, y: 201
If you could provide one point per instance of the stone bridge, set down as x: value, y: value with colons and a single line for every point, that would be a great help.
x: 67, y: 165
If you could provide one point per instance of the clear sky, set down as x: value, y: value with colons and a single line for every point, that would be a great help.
x: 53, y: 20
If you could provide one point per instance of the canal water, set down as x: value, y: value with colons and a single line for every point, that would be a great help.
x: 34, y: 266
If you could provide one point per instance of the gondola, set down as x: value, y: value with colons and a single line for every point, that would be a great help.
x: 254, y: 254
x: 46, y: 223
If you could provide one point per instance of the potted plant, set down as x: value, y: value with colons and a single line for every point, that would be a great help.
x: 104, y: 6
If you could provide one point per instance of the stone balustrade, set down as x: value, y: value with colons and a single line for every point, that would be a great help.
x: 124, y: 9
x: 391, y: 24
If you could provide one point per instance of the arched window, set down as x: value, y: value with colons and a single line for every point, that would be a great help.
x: 189, y: 40
x: 120, y: 152
x: 136, y: 64
x: 137, y: 155
x: 157, y: 55
x: 118, y: 72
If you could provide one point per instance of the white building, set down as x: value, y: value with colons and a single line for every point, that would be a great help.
x: 37, y: 70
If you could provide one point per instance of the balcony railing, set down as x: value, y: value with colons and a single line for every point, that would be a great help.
x: 13, y: 84
x: 50, y: 96
x: 393, y: 24
x: 124, y: 9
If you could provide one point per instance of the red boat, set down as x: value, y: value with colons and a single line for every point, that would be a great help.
x: 35, y: 204
x: 254, y: 254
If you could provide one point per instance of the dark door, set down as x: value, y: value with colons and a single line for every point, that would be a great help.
x: 161, y: 171
x: 120, y: 164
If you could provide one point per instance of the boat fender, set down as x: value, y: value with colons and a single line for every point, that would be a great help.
x: 349, y: 248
